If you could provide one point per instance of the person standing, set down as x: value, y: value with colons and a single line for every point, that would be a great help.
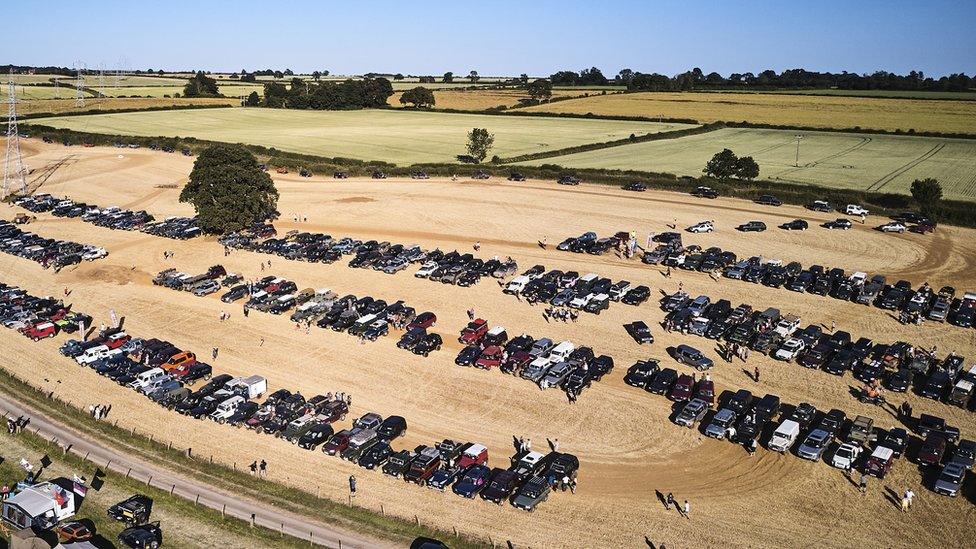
x: 863, y: 485
x: 910, y: 497
x: 352, y: 484
x: 254, y: 468
x: 755, y: 374
x: 264, y: 468
x: 669, y: 501
x: 687, y: 510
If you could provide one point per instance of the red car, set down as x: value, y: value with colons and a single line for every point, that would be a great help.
x: 706, y: 391
x: 491, y: 357
x: 40, y: 330
x: 476, y: 454
x: 932, y: 449
x: 474, y: 331
x: 682, y: 389
x: 516, y: 362
x: 116, y: 340
x: 423, y: 320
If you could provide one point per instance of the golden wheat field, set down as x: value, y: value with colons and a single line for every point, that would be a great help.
x: 67, y: 106
x: 794, y: 110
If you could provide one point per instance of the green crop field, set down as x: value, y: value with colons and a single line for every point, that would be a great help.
x: 401, y: 137
x: 883, y: 163
x: 30, y: 93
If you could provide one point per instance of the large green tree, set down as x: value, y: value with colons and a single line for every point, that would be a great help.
x: 747, y: 168
x: 927, y: 192
x: 540, y: 90
x: 480, y: 141
x: 229, y: 190
x: 253, y: 100
x: 723, y: 165
x: 200, y: 85
x: 419, y: 97
x: 448, y: 77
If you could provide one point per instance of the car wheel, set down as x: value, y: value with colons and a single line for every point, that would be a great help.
x: 36, y: 338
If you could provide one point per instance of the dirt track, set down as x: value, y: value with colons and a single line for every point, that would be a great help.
x: 622, y: 435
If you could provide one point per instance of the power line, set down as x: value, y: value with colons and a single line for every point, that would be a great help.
x: 13, y: 156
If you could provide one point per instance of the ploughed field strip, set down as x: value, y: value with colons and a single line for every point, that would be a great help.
x: 898, y: 366
x: 164, y: 373
x: 50, y: 253
x: 364, y: 317
x: 845, y: 443
x: 449, y: 268
x: 913, y: 305
x: 113, y: 217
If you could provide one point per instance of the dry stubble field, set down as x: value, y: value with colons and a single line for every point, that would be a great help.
x: 781, y: 109
x: 622, y: 435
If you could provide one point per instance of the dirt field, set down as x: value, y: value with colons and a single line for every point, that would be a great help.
x: 791, y: 110
x: 393, y: 136
x: 626, y: 444
x: 67, y: 106
x: 883, y: 163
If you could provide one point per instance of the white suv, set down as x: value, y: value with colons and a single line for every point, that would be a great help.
x: 702, y: 227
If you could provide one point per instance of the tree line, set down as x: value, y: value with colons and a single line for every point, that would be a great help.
x: 326, y: 95
x: 768, y: 79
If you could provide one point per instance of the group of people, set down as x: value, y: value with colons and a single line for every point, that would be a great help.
x: 16, y: 425
x: 259, y: 469
x: 99, y: 411
x: 685, y: 509
x: 564, y: 314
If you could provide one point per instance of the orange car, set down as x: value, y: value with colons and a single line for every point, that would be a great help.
x: 180, y: 361
x: 73, y: 531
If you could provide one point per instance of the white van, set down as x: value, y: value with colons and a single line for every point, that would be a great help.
x: 227, y: 408
x: 785, y: 435
x: 91, y: 355
x: 147, y: 377
x: 561, y: 352
x: 249, y: 387
x: 516, y: 285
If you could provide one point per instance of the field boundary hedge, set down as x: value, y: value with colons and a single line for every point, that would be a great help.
x: 674, y: 134
x: 952, y: 212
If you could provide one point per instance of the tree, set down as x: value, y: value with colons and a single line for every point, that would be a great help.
x: 248, y: 77
x: 398, y: 76
x: 746, y: 168
x: 473, y: 76
x: 316, y: 75
x: 229, y: 190
x: 420, y: 97
x: 927, y: 192
x: 448, y: 77
x: 625, y: 76
x: 200, y: 85
x: 325, y: 73
x: 253, y: 100
x: 540, y: 90
x: 723, y: 165
x: 480, y: 142
x: 524, y: 78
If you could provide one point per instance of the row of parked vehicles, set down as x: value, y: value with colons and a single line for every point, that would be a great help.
x: 163, y: 372
x: 49, y: 252
x: 943, y: 305
x: 113, y: 217
x: 590, y: 292
x: 900, y: 365
x: 365, y: 317
x: 38, y: 317
x: 845, y: 443
x: 435, y: 265
x: 541, y: 361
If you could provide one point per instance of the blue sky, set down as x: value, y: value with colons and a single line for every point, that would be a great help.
x: 536, y: 37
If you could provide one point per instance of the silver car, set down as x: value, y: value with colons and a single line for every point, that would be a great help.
x: 556, y: 375
x: 814, y: 445
x: 692, y: 413
x: 950, y: 479
x: 720, y: 424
